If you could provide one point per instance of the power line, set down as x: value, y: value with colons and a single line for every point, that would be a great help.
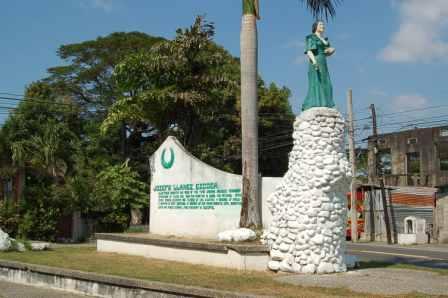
x: 414, y: 110
x: 31, y: 99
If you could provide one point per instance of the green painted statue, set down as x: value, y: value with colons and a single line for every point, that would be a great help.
x: 320, y: 90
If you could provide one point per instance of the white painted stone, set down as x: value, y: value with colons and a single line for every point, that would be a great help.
x: 293, y: 224
x: 20, y: 247
x: 324, y: 213
x: 5, y: 241
x: 274, y: 265
x: 325, y: 268
x: 237, y: 235
x: 318, y: 239
x: 285, y: 266
x: 37, y: 245
x: 304, y: 126
x: 313, y: 190
x: 296, y: 268
x: 309, y: 269
x: 276, y: 255
x: 284, y: 247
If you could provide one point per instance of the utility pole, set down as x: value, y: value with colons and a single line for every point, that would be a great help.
x: 250, y: 208
x: 379, y: 176
x: 351, y: 144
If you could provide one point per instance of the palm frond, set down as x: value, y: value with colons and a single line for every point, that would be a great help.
x: 322, y: 8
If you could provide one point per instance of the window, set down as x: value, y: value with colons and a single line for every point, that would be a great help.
x: 385, y: 162
x: 444, y: 132
x: 443, y: 157
x: 410, y: 226
x: 413, y: 163
x: 412, y: 141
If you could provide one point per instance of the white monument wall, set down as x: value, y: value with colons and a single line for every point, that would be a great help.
x: 192, y: 199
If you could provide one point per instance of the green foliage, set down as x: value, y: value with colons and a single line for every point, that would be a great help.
x: 322, y: 8
x: 87, y: 76
x: 9, y: 217
x: 189, y: 88
x: 41, y: 210
x: 178, y: 84
x: 117, y: 191
x: 136, y: 229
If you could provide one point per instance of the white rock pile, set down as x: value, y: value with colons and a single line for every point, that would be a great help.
x: 10, y: 244
x: 307, y: 233
x: 5, y: 241
x: 237, y: 235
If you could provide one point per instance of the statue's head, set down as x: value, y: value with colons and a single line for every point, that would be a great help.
x: 318, y: 26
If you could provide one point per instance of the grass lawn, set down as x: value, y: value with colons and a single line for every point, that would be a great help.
x: 88, y: 259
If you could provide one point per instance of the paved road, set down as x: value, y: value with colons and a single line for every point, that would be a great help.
x: 434, y: 256
x: 12, y: 290
x: 380, y: 281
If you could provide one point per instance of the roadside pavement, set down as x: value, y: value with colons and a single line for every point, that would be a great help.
x: 13, y: 290
x: 425, y: 255
x: 382, y: 281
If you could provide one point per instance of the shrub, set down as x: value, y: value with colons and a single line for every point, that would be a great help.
x: 9, y: 217
x: 117, y: 191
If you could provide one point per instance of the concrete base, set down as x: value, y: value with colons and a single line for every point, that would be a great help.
x: 409, y: 239
x: 443, y: 237
x: 233, y: 256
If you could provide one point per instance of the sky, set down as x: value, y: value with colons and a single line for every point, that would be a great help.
x: 392, y: 53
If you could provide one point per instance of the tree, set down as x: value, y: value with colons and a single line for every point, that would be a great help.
x: 250, y: 211
x: 180, y: 86
x: 88, y: 80
x: 188, y: 87
x: 40, y: 139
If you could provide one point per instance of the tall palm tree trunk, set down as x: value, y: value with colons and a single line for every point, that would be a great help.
x: 250, y: 211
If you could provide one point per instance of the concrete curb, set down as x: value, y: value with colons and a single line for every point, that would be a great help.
x: 101, y: 285
x: 190, y: 244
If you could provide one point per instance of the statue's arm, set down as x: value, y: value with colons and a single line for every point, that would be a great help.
x: 312, y: 57
x: 329, y: 51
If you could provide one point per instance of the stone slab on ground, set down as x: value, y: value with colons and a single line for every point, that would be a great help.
x: 380, y: 281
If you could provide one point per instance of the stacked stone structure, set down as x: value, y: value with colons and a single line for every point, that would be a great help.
x: 309, y: 207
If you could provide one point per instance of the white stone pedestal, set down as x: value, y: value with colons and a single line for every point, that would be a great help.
x: 307, y: 233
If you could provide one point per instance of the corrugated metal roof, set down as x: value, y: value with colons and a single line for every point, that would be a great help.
x: 411, y: 199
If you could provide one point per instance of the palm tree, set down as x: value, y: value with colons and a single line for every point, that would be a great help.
x: 250, y: 211
x: 40, y: 152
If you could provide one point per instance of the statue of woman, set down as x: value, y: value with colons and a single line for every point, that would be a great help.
x: 317, y: 48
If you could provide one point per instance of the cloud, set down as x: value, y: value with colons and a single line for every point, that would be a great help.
x: 420, y: 36
x: 105, y: 5
x: 409, y: 102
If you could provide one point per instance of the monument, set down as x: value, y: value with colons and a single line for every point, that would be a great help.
x: 307, y: 233
x: 303, y: 213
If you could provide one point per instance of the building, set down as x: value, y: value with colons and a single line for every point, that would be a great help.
x: 414, y: 165
x: 417, y: 157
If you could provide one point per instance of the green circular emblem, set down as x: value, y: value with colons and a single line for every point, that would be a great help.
x: 167, y: 164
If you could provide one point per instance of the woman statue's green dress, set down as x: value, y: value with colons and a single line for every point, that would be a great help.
x: 320, y: 91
